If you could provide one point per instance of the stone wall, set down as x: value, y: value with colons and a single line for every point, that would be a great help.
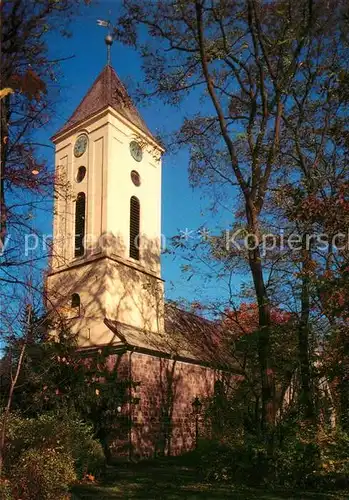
x: 162, y: 418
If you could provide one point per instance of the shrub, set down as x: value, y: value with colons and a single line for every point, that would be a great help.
x: 334, y: 459
x: 43, y: 473
x: 86, y: 451
x: 246, y: 463
x: 296, y: 463
x: 317, y: 460
x: 61, y: 432
x: 303, y: 458
x: 5, y: 490
x: 45, y: 455
x: 91, y: 458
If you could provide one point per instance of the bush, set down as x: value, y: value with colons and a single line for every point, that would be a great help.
x: 5, y: 490
x: 296, y: 463
x: 304, y: 458
x: 45, y: 474
x: 61, y: 432
x: 45, y: 455
x: 246, y: 463
x: 317, y: 460
x: 334, y: 459
x: 91, y: 458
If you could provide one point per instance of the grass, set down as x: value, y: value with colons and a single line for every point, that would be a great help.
x: 170, y: 480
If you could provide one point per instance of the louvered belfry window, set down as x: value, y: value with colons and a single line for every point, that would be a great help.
x: 80, y: 210
x: 135, y: 211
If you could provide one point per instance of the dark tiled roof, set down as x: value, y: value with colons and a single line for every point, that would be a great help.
x: 107, y: 90
x: 186, y: 336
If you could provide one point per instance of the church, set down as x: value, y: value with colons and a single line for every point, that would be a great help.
x: 104, y: 277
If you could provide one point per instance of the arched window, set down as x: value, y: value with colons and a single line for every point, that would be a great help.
x: 75, y: 300
x: 135, y: 210
x: 80, y: 210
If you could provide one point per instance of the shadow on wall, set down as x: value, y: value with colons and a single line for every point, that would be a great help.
x: 111, y: 285
x: 171, y: 357
x: 165, y: 421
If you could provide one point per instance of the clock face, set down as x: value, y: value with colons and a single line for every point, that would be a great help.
x: 80, y: 146
x: 136, y: 151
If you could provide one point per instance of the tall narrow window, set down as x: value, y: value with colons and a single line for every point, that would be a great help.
x: 135, y: 210
x: 80, y: 210
x: 75, y: 300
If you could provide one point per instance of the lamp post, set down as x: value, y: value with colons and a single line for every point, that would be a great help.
x: 196, y: 408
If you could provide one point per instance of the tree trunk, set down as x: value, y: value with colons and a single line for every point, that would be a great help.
x: 343, y: 388
x: 344, y: 402
x: 267, y: 376
x: 306, y: 395
x: 12, y: 388
x: 3, y: 151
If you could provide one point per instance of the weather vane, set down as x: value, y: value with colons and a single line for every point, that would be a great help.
x: 108, y: 38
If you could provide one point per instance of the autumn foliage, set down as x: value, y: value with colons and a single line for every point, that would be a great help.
x: 244, y: 320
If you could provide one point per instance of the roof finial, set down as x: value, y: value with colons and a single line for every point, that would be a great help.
x: 108, y: 39
x: 109, y: 43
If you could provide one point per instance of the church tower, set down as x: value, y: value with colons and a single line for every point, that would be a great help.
x: 107, y: 217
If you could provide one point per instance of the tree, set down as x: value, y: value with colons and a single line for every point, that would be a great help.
x: 55, y: 375
x: 315, y: 155
x: 240, y: 61
x: 29, y: 79
x: 27, y: 83
x: 15, y: 371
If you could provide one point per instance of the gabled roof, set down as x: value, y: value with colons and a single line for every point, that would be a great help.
x: 107, y: 90
x: 186, y: 336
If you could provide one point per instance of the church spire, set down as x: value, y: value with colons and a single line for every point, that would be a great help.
x: 107, y: 90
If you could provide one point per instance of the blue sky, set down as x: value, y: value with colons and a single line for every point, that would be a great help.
x: 182, y: 207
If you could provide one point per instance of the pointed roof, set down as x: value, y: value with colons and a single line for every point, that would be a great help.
x: 107, y: 90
